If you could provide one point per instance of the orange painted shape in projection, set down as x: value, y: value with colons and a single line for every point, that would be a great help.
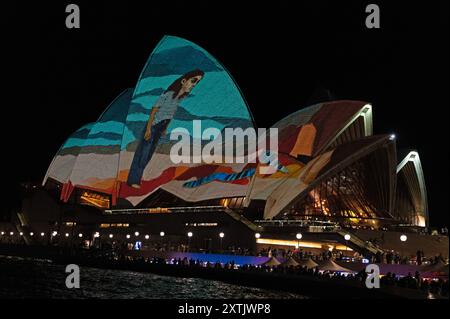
x: 123, y: 175
x: 305, y: 141
x: 180, y: 170
x: 102, y: 185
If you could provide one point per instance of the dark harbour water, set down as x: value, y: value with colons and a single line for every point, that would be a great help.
x: 21, y: 278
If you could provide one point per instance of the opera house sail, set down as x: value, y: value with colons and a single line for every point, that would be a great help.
x: 330, y: 165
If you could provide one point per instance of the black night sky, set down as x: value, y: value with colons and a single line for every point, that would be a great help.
x: 284, y: 55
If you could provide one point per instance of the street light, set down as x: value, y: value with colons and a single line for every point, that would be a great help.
x: 298, y: 236
x: 128, y: 236
x: 42, y: 234
x: 21, y: 234
x: 403, y: 238
x: 189, y: 234
x: 136, y: 233
x: 2, y: 233
x: 67, y: 234
x: 80, y: 235
x: 221, y: 236
x: 53, y: 234
x: 161, y: 234
x: 347, y: 238
x: 31, y: 234
x: 97, y: 235
x: 257, y: 235
x: 147, y: 236
x: 11, y: 233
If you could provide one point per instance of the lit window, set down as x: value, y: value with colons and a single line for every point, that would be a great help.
x: 94, y: 199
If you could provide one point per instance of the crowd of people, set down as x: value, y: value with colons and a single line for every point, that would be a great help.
x: 302, y: 254
x: 387, y: 257
x: 436, y: 287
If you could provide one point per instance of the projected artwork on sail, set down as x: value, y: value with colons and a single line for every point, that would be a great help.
x: 89, y: 157
x: 180, y: 83
x: 126, y: 153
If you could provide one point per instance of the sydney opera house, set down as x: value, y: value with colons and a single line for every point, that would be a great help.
x: 114, y: 176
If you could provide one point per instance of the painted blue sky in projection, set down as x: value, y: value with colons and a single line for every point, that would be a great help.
x: 216, y: 100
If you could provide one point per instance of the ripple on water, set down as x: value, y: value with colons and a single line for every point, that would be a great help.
x: 21, y: 278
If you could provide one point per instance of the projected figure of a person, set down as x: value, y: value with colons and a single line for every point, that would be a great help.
x: 160, y: 116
